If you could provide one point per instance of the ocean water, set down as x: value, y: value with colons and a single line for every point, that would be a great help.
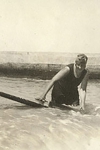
x: 30, y: 128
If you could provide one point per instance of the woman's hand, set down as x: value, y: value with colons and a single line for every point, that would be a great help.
x: 82, y: 110
x: 42, y: 98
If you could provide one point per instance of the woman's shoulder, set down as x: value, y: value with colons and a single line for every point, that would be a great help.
x: 68, y: 68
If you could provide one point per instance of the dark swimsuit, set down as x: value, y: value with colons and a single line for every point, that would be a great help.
x: 65, y: 91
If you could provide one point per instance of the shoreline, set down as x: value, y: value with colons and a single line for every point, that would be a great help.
x: 40, y: 71
x: 43, y: 65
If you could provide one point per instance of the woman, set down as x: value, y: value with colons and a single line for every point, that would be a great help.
x: 65, y: 84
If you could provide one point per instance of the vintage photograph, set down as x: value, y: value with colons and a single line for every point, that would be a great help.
x: 50, y: 75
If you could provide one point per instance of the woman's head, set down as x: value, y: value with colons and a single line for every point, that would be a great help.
x: 81, y: 61
x: 81, y: 58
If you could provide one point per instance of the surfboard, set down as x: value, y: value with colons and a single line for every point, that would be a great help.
x: 34, y: 103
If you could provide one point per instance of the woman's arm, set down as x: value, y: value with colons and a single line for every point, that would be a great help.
x: 82, y: 91
x: 57, y: 77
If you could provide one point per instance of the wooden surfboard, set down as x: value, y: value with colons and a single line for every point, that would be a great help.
x: 34, y: 103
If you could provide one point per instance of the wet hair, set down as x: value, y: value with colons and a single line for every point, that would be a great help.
x: 81, y: 59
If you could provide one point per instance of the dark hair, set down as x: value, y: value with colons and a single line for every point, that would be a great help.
x: 81, y: 59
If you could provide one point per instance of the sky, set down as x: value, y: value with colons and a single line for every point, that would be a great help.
x: 50, y: 25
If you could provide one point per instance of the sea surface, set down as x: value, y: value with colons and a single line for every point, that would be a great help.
x: 29, y: 128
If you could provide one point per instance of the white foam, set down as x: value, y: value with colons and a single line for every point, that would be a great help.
x: 75, y: 113
x: 98, y: 107
x: 51, y: 128
x: 65, y: 121
x: 98, y: 115
x: 94, y: 144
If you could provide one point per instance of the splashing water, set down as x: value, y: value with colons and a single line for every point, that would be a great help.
x: 26, y: 128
